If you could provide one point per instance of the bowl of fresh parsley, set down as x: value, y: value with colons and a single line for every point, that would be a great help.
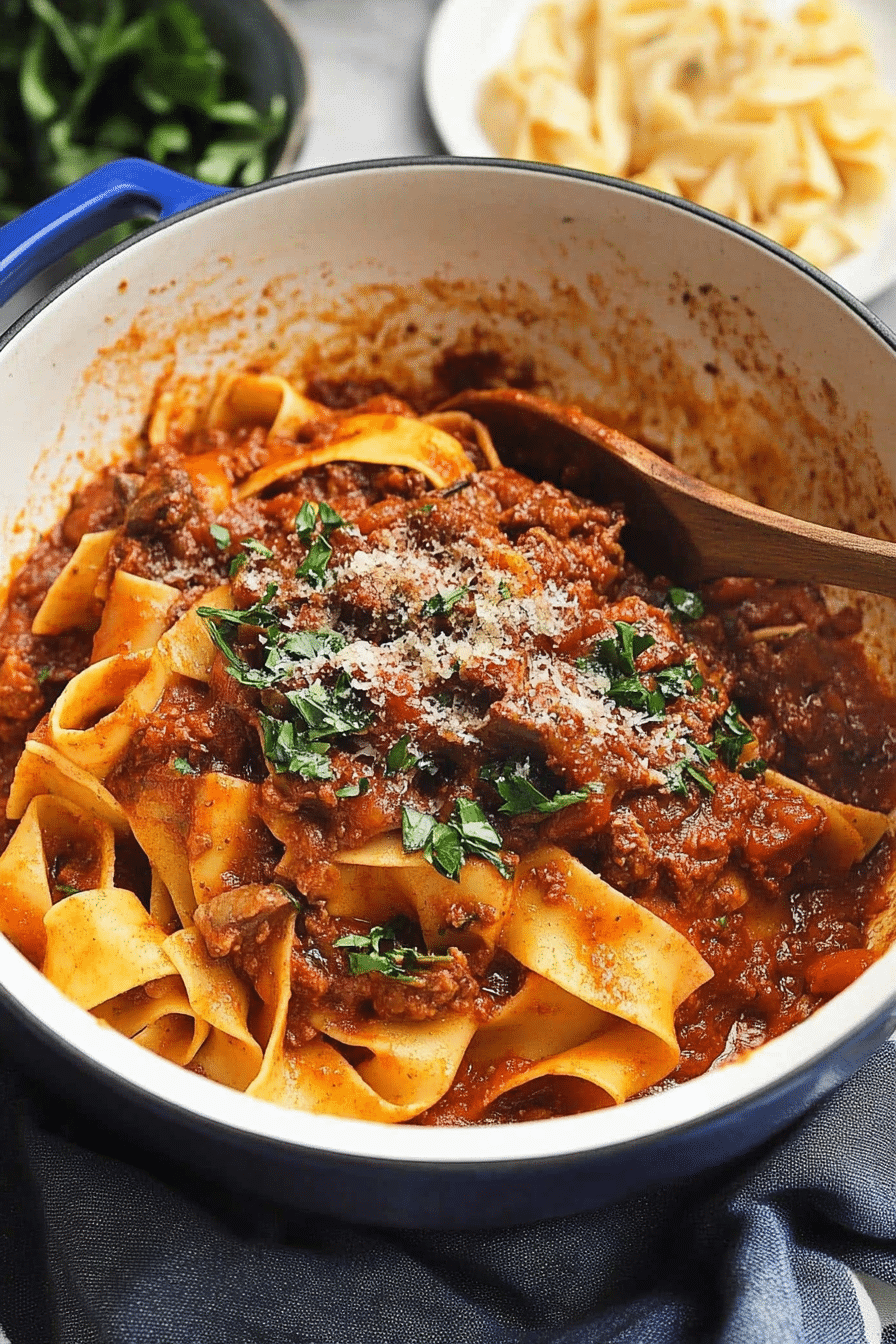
x: 207, y: 87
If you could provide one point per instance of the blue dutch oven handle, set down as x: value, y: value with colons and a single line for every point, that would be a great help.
x: 122, y: 190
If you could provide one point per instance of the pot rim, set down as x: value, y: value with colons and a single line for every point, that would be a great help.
x: 774, y: 1068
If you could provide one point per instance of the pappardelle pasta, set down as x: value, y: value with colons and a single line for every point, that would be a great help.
x: 783, y: 126
x: 353, y: 769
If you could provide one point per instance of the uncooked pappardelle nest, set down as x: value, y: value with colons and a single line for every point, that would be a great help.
x: 352, y: 769
x: 783, y: 126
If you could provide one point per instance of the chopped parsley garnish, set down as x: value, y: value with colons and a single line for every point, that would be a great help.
x: 504, y: 590
x: 633, y: 694
x: 399, y: 756
x: 298, y: 744
x: 355, y: 790
x: 382, y: 950
x: 329, y: 711
x: 447, y: 845
x: 310, y: 514
x: 617, y: 658
x: 683, y: 679
x: 731, y: 736
x: 183, y: 766
x: 43, y: 674
x: 520, y: 794
x: 443, y: 603
x: 684, y: 605
x: 729, y: 739
x: 619, y: 654
x: 237, y: 563
x: 67, y: 889
x: 220, y: 536
x: 314, y: 567
x: 283, y: 649
x: 679, y: 775
x: 257, y: 548
x: 291, y: 752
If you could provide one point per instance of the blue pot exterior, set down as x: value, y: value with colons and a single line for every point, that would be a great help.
x: 414, y: 1193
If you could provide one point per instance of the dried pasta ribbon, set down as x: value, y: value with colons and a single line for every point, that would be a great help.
x: 262, y: 399
x: 784, y: 126
x: 599, y: 945
x: 71, y: 602
x: 186, y: 648
x: 135, y: 616
x: 51, y: 832
x: 42, y: 769
x: 97, y: 714
x: 101, y: 944
x: 386, y: 440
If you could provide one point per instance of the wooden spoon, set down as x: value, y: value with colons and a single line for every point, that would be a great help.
x: 677, y: 525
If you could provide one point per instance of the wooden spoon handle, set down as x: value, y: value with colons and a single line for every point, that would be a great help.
x: 679, y: 525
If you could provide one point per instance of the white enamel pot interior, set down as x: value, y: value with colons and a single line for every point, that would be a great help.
x: 749, y: 367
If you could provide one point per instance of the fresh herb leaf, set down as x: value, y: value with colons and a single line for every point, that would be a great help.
x: 443, y: 603
x: 355, y: 790
x: 43, y: 673
x: 682, y: 773
x: 330, y: 711
x: 754, y: 769
x: 237, y: 563
x: 290, y: 752
x: 447, y: 845
x: 504, y: 590
x: 67, y: 889
x: 684, y: 605
x: 314, y: 567
x: 618, y: 655
x: 220, y: 536
x: 330, y: 520
x: 633, y: 694
x: 681, y: 680
x: 521, y: 796
x: 399, y: 756
x: 416, y: 829
x: 310, y: 514
x: 183, y: 766
x: 382, y: 950
x: 83, y: 83
x: 731, y: 736
x: 257, y: 548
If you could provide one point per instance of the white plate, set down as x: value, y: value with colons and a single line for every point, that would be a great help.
x: 468, y: 39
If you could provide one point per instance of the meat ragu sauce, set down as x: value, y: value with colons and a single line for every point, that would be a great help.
x: 690, y: 816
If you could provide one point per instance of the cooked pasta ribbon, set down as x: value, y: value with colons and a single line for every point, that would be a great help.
x: 519, y: 978
x: 383, y: 440
x: 72, y: 602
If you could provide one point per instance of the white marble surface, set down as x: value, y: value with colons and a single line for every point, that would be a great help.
x: 364, y: 59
